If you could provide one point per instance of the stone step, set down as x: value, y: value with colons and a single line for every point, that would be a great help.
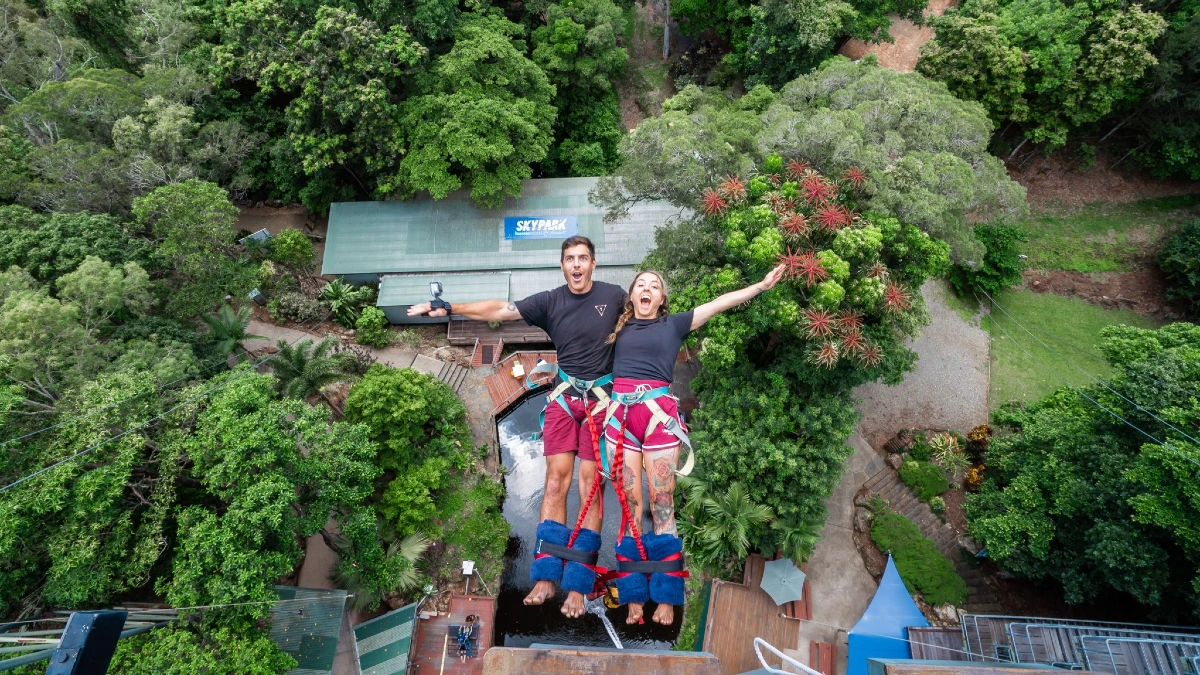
x: 985, y: 608
x: 893, y: 491
x: 459, y: 378
x: 880, y: 479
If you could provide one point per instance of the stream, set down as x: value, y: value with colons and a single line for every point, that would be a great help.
x: 518, y: 625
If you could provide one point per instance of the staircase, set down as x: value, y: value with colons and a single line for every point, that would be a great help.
x: 887, y: 484
x: 453, y: 375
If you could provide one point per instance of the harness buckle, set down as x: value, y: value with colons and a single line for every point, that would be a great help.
x: 641, y: 389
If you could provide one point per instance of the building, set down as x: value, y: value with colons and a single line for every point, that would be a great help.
x: 480, y: 254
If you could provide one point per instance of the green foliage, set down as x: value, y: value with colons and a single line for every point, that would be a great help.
x: 304, y: 370
x: 1052, y: 66
x: 227, y: 329
x: 194, y: 224
x: 926, y: 480
x: 1166, y: 121
x: 294, y: 306
x: 345, y: 300
x: 408, y: 503
x: 484, y: 115
x: 412, y: 416
x: 50, y: 246
x: 929, y: 167
x: 1001, y: 265
x: 372, y: 328
x: 292, y: 248
x: 101, y: 291
x: 1179, y: 261
x: 717, y: 525
x: 390, y: 569
x: 200, y: 650
x: 938, y: 505
x: 921, y: 566
x: 1076, y: 496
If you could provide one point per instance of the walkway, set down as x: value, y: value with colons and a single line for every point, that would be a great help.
x: 436, y: 652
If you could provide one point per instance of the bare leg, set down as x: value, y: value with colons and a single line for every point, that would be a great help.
x: 632, y: 479
x: 554, y: 507
x: 660, y: 465
x: 576, y: 603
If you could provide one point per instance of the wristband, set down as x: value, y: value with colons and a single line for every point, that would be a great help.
x: 439, y: 303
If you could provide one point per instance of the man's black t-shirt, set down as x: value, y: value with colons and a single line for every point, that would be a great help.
x: 578, y: 324
x: 646, y: 348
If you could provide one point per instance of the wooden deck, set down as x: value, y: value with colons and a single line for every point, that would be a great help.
x: 436, y: 652
x: 506, y: 389
x: 937, y: 643
x: 465, y: 332
x: 737, y: 614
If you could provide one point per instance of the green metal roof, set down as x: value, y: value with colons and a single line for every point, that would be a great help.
x: 306, y: 623
x: 383, y: 642
x: 452, y: 234
x: 399, y: 290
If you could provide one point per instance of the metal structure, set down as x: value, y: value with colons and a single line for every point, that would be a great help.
x: 306, y: 623
x: 1002, y: 638
x: 1054, y: 643
x: 759, y: 643
x: 1132, y: 656
x: 384, y: 643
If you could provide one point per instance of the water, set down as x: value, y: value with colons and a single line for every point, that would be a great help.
x: 519, y: 625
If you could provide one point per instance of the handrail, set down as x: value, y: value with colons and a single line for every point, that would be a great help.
x: 759, y: 642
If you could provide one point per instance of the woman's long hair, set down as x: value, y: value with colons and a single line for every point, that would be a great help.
x: 627, y: 311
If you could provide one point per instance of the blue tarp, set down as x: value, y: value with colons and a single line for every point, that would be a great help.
x: 881, y: 632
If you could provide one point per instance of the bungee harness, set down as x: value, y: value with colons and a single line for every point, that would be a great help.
x: 658, y: 417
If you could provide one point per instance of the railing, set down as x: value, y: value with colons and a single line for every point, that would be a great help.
x: 988, y: 637
x: 759, y: 643
x: 1059, y: 643
x: 1137, y: 656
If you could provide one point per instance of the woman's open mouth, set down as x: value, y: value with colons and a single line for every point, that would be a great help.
x: 645, y: 301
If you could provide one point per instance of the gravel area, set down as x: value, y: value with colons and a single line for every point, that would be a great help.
x: 948, y: 389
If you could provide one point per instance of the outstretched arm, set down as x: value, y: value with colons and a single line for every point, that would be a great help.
x: 483, y: 310
x: 708, y: 310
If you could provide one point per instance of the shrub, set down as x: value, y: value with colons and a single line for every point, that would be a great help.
x: 938, y: 505
x: 295, y: 307
x: 920, y: 564
x: 372, y: 328
x: 292, y: 248
x: 926, y: 480
x: 1179, y: 261
x: 1001, y: 265
x: 920, y: 450
x: 345, y: 300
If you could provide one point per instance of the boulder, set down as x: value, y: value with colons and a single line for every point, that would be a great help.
x: 965, y: 541
x: 862, y: 519
x: 863, y: 498
x: 896, y: 461
x: 947, y: 613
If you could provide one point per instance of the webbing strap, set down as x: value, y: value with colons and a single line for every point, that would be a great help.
x: 649, y: 566
x: 658, y: 417
x: 572, y: 554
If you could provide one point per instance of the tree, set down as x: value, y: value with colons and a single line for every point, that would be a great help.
x: 1049, y: 65
x: 393, y: 572
x: 36, y: 51
x: 1165, y: 119
x: 1076, y: 496
x: 49, y: 246
x: 928, y: 167
x: 304, y: 370
x: 718, y: 524
x: 410, y: 415
x: 101, y: 291
x: 1001, y: 265
x: 227, y: 329
x: 789, y: 38
x: 208, y: 649
x: 1179, y: 261
x: 194, y: 223
x: 484, y: 115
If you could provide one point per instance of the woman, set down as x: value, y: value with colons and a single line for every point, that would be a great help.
x: 647, y: 341
x: 464, y: 637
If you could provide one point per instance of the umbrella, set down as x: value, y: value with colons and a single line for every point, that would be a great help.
x: 783, y: 581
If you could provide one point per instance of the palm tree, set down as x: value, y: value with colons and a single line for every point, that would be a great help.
x: 305, y: 369
x: 719, y: 525
x: 398, y: 574
x: 797, y: 539
x: 227, y: 328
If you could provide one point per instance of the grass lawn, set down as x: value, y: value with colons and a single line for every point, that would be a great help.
x: 1102, y: 237
x: 1017, y: 376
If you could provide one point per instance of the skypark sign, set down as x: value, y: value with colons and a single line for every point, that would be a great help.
x: 540, y: 227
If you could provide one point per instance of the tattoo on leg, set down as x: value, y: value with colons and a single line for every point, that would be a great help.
x: 663, y: 470
x: 662, y: 509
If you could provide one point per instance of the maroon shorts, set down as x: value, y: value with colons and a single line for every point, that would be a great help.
x: 640, y: 417
x: 570, y: 433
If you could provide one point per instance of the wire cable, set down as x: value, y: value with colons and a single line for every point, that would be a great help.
x: 1094, y: 401
x: 1098, y: 357
x: 1093, y: 377
x: 143, y: 425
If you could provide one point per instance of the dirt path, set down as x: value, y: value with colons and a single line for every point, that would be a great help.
x: 900, y: 55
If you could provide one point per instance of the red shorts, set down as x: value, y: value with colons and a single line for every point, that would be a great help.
x: 640, y: 417
x: 570, y: 433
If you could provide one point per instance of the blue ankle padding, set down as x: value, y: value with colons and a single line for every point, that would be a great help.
x: 634, y: 587
x: 666, y: 589
x: 550, y: 568
x: 659, y: 546
x: 576, y: 576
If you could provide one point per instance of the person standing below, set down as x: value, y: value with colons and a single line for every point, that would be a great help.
x: 578, y: 316
x: 647, y: 338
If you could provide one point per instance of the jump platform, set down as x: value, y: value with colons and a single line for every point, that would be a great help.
x: 555, y: 660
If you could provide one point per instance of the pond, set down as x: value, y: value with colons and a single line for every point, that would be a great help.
x: 518, y: 625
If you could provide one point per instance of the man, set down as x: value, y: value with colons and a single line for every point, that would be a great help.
x: 578, y: 317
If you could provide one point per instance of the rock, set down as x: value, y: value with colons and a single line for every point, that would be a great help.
x: 274, y: 203
x: 896, y: 461
x: 863, y: 498
x: 947, y: 613
x: 862, y: 519
x: 965, y: 541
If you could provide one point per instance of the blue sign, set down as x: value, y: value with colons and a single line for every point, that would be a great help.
x: 540, y: 227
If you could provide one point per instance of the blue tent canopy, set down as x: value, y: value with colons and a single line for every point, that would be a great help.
x: 881, y: 631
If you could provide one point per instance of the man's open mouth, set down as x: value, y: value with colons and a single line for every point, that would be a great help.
x: 576, y: 276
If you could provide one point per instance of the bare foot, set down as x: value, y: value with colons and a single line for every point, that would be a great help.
x: 542, y: 591
x: 635, y: 613
x: 665, y: 614
x: 575, y: 606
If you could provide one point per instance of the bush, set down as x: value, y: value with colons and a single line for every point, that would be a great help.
x: 1001, y: 266
x: 1179, y: 261
x: 938, y: 505
x: 292, y: 248
x: 926, y: 480
x: 295, y: 307
x: 920, y: 564
x: 372, y: 328
x: 345, y: 300
x: 921, y: 451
